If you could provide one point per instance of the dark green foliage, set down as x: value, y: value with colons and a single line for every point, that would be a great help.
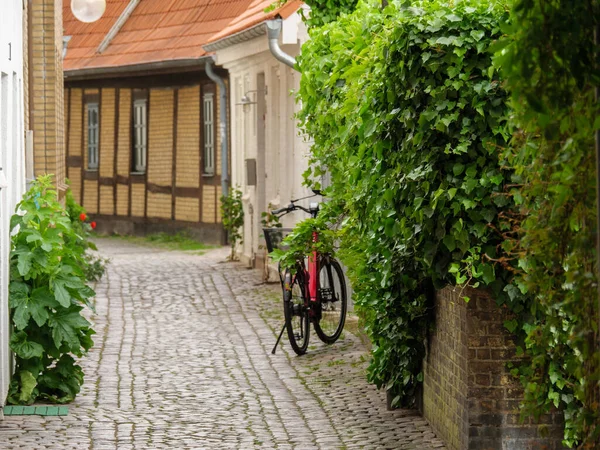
x: 409, y: 117
x: 48, y: 293
x: 321, y: 11
x: 549, y: 64
x: 232, y: 215
x: 326, y: 11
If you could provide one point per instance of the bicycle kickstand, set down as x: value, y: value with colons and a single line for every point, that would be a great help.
x: 278, y: 339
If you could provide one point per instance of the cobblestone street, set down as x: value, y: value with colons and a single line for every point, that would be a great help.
x: 182, y: 359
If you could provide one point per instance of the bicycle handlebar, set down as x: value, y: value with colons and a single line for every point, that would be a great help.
x: 289, y: 208
x: 293, y: 207
x: 280, y: 210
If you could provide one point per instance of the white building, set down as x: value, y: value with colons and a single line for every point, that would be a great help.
x: 12, y: 163
x: 268, y: 155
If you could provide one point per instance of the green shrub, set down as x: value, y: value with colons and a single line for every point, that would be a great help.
x: 94, y: 266
x: 409, y: 118
x: 48, y: 293
x: 232, y: 215
x: 550, y: 64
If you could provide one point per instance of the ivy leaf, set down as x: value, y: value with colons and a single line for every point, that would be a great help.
x: 511, y: 325
x: 477, y: 34
x: 449, y: 242
x: 457, y: 169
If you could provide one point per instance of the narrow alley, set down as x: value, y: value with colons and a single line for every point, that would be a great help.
x: 182, y: 359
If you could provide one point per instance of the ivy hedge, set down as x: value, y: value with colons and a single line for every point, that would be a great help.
x: 548, y: 62
x: 408, y: 114
x: 449, y: 166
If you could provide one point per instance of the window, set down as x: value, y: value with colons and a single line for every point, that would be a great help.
x: 140, y: 132
x: 93, y: 134
x: 208, y: 118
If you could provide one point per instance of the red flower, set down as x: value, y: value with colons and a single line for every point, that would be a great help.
x: 93, y: 225
x: 82, y: 217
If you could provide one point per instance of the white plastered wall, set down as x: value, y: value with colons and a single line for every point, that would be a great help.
x: 12, y: 163
x: 285, y: 150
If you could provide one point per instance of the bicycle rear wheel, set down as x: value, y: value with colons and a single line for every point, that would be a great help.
x: 333, y: 301
x: 296, y: 312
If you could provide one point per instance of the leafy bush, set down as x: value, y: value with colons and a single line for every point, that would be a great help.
x: 232, y: 215
x: 439, y: 181
x: 547, y: 59
x: 408, y: 116
x: 48, y: 293
x: 93, y: 266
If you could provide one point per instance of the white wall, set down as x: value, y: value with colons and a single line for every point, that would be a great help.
x: 12, y: 171
x: 285, y: 151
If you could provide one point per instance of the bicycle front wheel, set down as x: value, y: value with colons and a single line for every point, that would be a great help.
x: 297, y: 321
x: 333, y: 301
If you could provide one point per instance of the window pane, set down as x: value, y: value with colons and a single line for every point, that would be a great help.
x: 140, y: 134
x: 93, y: 132
x: 208, y: 128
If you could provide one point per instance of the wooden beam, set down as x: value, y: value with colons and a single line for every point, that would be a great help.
x: 116, y: 147
x: 174, y: 167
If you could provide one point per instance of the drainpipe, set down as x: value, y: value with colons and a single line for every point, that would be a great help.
x: 273, y: 31
x: 222, y: 125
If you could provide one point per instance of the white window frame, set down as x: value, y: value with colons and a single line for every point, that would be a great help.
x: 93, y: 128
x: 208, y: 119
x: 140, y: 135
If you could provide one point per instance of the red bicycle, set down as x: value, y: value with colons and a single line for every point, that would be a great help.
x: 315, y: 292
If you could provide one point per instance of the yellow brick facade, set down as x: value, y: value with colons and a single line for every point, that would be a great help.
x: 45, y: 98
x: 160, y: 137
x: 138, y: 198
x: 187, y: 209
x: 188, y: 138
x: 90, y: 199
x: 124, y: 144
x: 172, y: 188
x: 208, y: 204
x: 107, y: 137
x: 122, y: 200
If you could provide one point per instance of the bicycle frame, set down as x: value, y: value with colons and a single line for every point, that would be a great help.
x: 313, y: 271
x: 307, y: 277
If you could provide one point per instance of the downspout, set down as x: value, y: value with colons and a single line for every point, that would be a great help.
x: 222, y: 126
x: 273, y: 32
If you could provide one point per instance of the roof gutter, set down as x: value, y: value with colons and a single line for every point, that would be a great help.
x: 236, y: 38
x: 273, y: 32
x: 222, y: 125
x: 77, y: 74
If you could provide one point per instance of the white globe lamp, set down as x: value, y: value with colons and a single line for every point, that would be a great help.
x: 88, y: 10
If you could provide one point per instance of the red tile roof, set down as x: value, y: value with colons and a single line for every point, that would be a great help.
x: 255, y: 14
x: 86, y: 37
x: 156, y: 31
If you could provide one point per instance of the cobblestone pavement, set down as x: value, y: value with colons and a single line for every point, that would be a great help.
x: 182, y: 360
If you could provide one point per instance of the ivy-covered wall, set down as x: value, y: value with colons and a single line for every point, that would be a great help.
x: 408, y: 115
x: 459, y: 145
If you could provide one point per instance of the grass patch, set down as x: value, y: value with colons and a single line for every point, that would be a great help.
x: 179, y: 241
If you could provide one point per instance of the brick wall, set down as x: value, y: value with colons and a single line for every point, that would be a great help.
x: 445, y: 368
x: 469, y: 396
x: 46, y: 103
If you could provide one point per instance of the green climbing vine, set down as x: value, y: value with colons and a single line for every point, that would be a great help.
x: 458, y: 137
x: 408, y: 116
x: 547, y: 59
